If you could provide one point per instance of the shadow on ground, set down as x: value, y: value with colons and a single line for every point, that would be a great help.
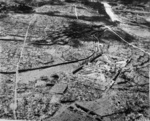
x: 50, y: 2
x: 75, y: 34
x: 39, y: 3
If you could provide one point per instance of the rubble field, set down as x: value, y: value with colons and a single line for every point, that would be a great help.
x: 64, y: 63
